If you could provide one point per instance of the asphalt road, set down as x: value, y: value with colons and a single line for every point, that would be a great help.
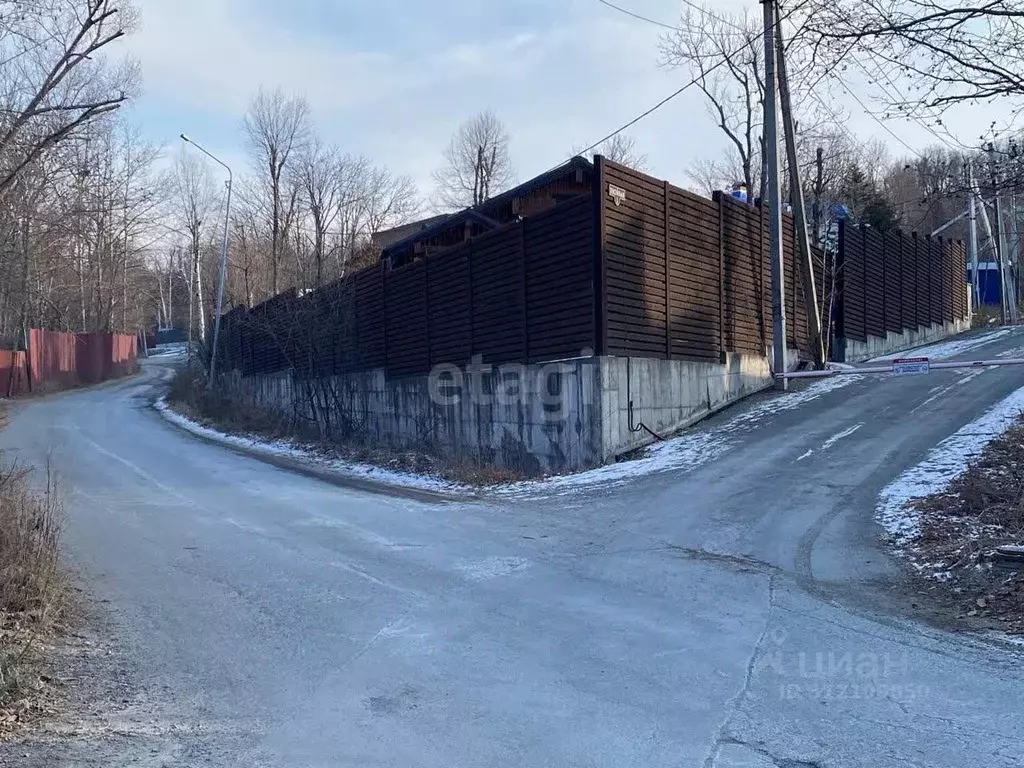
x: 738, y: 615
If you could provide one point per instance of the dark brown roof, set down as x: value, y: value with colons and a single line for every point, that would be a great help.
x: 387, y: 237
x: 483, y: 212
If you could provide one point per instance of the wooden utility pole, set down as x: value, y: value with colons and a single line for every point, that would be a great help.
x: 803, y: 240
x: 819, y: 190
x: 997, y: 235
x: 773, y: 199
x: 972, y: 236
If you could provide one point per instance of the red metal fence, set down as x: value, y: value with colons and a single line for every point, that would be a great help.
x: 56, y: 361
x: 13, y: 373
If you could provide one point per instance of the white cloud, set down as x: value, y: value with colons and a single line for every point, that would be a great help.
x: 561, y: 74
x: 556, y: 86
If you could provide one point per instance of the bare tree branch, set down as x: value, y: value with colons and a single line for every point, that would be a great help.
x: 476, y: 163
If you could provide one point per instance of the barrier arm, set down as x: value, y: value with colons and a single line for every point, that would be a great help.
x: 908, y: 366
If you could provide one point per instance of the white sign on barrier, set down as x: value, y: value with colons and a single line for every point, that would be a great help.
x: 911, y: 366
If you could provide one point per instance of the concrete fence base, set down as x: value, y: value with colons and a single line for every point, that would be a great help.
x: 541, y: 418
x: 852, y: 351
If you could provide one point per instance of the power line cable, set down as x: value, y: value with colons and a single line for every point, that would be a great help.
x: 903, y: 99
x: 638, y: 16
x: 700, y: 9
x: 845, y: 86
x: 685, y: 87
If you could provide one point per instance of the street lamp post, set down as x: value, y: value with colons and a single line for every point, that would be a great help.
x: 223, y: 259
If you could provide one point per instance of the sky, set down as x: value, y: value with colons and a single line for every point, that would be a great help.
x: 393, y: 79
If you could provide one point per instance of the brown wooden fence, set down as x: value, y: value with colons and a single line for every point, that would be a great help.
x: 520, y: 293
x: 687, y: 277
x: 896, y: 282
x: 638, y: 268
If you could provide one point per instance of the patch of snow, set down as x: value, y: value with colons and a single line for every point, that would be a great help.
x: 1016, y: 352
x: 1004, y: 638
x: 290, y: 450
x: 837, y: 437
x: 686, y: 452
x: 943, y: 464
x: 806, y: 455
x: 174, y: 350
x: 950, y: 348
x: 491, y: 567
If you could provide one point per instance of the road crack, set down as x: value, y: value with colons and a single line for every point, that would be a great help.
x: 740, y: 697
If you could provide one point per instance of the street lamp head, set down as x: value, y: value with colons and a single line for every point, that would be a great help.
x: 186, y: 138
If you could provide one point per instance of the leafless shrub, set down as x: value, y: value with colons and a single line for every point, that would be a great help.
x: 30, y: 528
x: 32, y: 588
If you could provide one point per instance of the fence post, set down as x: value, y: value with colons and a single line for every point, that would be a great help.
x: 524, y: 297
x: 472, y: 320
x: 668, y: 276
x: 864, y: 276
x: 426, y: 300
x: 838, y: 298
x: 384, y: 308
x: 717, y: 199
x: 600, y: 261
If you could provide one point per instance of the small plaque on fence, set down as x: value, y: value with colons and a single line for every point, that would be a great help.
x: 911, y: 366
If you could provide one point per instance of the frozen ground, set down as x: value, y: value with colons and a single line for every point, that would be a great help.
x: 288, y: 449
x: 688, y: 451
x: 738, y: 614
x: 943, y: 464
x: 174, y: 351
x: 955, y: 347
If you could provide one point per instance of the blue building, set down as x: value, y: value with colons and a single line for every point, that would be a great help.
x: 989, y: 287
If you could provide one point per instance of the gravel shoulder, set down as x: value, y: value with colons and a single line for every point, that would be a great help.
x: 955, y: 538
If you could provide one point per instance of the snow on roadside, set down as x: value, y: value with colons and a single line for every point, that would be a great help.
x: 943, y: 464
x: 950, y: 348
x: 688, y: 451
x: 290, y: 450
x: 174, y: 350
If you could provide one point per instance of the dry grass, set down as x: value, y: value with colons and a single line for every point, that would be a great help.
x: 962, y: 526
x: 190, y: 397
x: 33, y: 590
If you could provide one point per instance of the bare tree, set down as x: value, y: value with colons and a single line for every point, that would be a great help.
x: 195, y: 203
x: 54, y: 79
x: 725, y: 57
x: 389, y: 201
x: 476, y: 164
x: 323, y: 191
x: 620, y: 148
x: 926, y: 55
x: 277, y: 127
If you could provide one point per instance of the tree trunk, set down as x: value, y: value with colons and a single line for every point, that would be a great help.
x: 199, y: 291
